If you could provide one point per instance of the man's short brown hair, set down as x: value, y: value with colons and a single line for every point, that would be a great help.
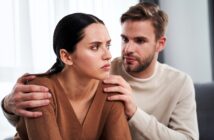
x: 147, y: 11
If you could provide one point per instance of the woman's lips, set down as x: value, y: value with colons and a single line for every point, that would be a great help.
x: 106, y: 67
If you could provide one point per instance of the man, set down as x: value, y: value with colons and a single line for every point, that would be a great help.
x: 159, y: 100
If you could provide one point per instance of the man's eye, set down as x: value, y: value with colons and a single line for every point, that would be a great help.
x: 140, y: 41
x: 124, y: 40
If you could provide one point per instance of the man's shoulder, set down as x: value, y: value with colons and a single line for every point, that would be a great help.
x: 116, y: 65
x: 176, y: 80
x: 173, y: 73
x: 116, y: 61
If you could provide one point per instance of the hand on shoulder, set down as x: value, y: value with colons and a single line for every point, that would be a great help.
x: 25, y: 96
x: 124, y: 91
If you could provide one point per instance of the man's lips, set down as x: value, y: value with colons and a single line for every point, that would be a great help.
x: 129, y: 59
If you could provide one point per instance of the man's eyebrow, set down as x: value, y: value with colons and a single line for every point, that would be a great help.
x: 122, y: 35
x: 140, y: 38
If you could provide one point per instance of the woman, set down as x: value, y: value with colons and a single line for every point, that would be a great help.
x: 78, y: 109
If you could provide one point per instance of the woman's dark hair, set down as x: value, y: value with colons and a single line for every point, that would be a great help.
x: 68, y: 32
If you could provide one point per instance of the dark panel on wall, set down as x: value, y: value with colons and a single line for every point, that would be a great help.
x: 153, y: 1
x: 211, y: 18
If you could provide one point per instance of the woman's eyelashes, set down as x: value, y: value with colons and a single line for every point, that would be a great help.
x: 97, y: 46
x: 108, y: 45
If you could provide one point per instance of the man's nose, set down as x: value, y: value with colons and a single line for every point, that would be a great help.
x: 129, y: 47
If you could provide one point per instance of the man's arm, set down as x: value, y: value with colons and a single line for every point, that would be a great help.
x: 23, y: 97
x: 183, y: 123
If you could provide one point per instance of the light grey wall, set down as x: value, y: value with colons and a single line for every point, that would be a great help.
x: 188, y: 45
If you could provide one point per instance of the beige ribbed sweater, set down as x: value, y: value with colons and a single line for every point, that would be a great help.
x: 166, y: 104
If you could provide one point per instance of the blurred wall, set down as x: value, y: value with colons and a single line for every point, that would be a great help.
x: 188, y: 41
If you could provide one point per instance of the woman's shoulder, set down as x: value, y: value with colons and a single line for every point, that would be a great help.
x: 42, y: 80
x: 112, y: 105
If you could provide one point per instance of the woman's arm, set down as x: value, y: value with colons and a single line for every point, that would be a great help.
x: 41, y: 128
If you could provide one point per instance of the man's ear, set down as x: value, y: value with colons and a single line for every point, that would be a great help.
x: 65, y: 57
x: 161, y: 44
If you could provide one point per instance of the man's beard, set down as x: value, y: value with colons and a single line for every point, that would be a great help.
x: 142, y: 64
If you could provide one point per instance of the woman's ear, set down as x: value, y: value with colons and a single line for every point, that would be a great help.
x: 65, y: 57
x: 161, y: 44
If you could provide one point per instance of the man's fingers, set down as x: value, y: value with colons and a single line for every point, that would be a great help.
x: 118, y: 97
x: 118, y: 89
x: 30, y: 114
x: 115, y: 79
x: 35, y: 96
x: 31, y: 88
x: 25, y: 77
x: 33, y: 104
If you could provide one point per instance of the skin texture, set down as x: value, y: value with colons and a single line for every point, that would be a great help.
x: 92, y: 57
x: 140, y: 48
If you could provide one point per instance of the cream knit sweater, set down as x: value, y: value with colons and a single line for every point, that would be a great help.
x: 166, y: 104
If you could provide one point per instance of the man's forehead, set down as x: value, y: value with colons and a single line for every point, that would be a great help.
x: 132, y: 36
x: 136, y: 29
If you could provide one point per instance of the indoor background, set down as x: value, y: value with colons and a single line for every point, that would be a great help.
x: 27, y: 26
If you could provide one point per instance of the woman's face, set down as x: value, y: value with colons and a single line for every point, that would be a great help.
x: 91, y: 58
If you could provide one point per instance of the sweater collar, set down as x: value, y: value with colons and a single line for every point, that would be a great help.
x: 126, y: 74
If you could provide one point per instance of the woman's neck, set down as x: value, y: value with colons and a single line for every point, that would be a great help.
x: 77, y: 87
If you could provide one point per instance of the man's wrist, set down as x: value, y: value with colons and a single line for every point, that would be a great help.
x: 12, y: 118
x: 132, y: 114
x: 3, y: 105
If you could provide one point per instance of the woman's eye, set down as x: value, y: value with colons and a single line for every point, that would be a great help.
x: 95, y: 47
x: 108, y: 46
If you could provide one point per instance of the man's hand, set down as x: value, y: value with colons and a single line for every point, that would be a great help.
x: 124, y: 93
x: 24, y: 96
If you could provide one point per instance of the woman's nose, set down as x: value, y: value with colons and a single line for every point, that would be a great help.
x: 107, y: 54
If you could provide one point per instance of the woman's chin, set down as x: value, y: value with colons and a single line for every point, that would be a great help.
x: 104, y: 76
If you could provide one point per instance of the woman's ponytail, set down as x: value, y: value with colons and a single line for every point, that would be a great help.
x: 57, y: 67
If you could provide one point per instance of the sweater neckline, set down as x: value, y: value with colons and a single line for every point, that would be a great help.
x: 157, y: 67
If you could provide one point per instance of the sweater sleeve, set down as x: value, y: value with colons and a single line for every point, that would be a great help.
x: 182, y: 124
x: 116, y: 126
x: 12, y: 118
